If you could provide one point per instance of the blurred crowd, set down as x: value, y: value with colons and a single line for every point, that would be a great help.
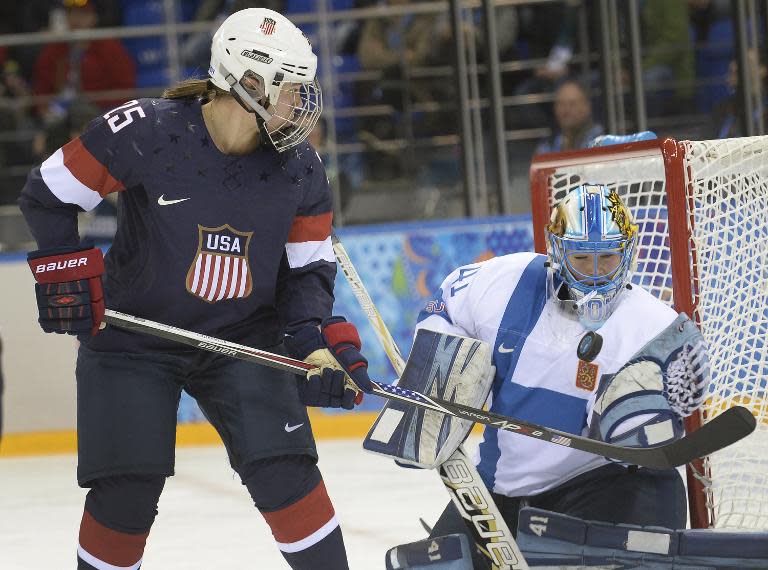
x: 393, y: 88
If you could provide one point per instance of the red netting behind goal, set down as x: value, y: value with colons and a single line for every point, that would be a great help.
x: 702, y: 208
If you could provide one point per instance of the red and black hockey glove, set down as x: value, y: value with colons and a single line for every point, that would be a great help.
x: 70, y: 298
x: 340, y: 375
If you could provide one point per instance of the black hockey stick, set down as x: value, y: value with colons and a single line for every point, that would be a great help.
x: 458, y: 474
x: 727, y: 428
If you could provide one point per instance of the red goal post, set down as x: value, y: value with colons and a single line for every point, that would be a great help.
x: 702, y: 208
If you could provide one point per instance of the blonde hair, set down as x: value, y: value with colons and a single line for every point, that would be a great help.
x: 198, y: 88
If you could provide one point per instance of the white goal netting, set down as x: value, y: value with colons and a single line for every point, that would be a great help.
x: 726, y: 189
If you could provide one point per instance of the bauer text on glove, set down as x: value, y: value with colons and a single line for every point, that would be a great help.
x: 69, y: 293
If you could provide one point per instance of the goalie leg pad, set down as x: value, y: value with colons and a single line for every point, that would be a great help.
x: 450, y: 367
x: 550, y: 539
x: 450, y: 552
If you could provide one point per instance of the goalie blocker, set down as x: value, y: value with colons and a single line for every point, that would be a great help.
x: 553, y: 540
x: 454, y: 368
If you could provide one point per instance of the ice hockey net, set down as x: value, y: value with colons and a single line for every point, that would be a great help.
x: 702, y: 208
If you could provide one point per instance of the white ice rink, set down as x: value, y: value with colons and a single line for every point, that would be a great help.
x: 206, y: 520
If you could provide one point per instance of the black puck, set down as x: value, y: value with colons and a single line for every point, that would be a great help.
x: 589, y: 346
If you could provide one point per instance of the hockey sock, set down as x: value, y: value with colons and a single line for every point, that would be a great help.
x: 290, y: 494
x: 119, y: 511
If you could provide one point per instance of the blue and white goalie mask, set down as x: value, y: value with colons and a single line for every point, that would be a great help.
x: 592, y: 245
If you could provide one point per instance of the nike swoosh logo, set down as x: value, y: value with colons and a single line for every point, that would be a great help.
x: 163, y: 202
x: 503, y: 350
x: 289, y: 429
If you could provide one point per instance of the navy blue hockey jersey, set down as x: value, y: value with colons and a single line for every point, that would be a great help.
x: 231, y: 246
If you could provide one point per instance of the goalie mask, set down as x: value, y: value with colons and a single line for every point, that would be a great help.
x: 266, y: 63
x: 592, y: 243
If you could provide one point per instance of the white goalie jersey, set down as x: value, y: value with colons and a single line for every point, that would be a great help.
x: 539, y: 378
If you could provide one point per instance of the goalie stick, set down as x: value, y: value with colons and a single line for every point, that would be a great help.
x: 727, y: 428
x: 467, y: 490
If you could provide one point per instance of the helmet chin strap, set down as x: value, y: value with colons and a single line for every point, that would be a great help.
x: 244, y: 98
x: 250, y: 105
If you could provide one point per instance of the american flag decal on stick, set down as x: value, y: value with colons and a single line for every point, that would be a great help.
x: 220, y: 268
x: 561, y: 440
x: 268, y: 26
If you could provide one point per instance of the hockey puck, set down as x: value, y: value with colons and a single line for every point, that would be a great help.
x: 589, y: 346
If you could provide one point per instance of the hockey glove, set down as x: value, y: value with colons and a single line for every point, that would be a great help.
x: 341, y: 372
x: 68, y: 289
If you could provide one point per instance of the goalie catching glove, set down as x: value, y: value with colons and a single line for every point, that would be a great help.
x: 340, y: 375
x: 69, y: 294
x: 644, y: 403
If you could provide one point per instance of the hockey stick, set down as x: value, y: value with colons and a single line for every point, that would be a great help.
x: 727, y: 428
x: 467, y: 490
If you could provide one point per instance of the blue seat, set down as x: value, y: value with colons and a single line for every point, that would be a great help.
x: 151, y: 52
x: 344, y: 94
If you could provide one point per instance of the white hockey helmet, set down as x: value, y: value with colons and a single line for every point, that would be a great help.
x: 266, y: 63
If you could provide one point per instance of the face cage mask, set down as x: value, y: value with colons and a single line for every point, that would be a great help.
x: 298, y: 109
x: 594, y: 294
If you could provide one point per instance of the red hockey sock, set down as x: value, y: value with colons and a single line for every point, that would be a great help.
x: 303, y: 523
x: 104, y: 549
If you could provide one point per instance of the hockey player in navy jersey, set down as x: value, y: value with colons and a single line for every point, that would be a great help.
x: 224, y: 222
x: 534, y: 310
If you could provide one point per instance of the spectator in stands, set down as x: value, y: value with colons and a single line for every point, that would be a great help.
x: 668, y: 70
x: 713, y: 35
x: 69, y: 69
x: 726, y: 120
x: 668, y: 67
x: 399, y: 45
x: 573, y: 114
x: 410, y: 40
x: 547, y: 32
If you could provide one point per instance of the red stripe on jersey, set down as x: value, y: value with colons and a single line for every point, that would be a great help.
x: 311, y: 228
x: 205, y: 288
x: 234, y: 279
x: 304, y: 517
x: 84, y: 166
x: 111, y: 546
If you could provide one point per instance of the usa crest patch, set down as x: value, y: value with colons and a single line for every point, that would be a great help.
x: 268, y: 26
x: 220, y: 268
x: 586, y: 376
